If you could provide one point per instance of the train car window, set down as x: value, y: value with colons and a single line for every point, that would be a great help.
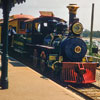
x: 22, y: 25
x: 29, y: 28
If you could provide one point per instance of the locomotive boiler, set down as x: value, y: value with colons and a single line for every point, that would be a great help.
x: 54, y: 44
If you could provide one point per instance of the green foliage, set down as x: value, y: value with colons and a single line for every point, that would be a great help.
x: 86, y: 33
x: 96, y: 34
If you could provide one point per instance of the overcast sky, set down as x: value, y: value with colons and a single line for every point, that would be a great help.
x: 58, y: 7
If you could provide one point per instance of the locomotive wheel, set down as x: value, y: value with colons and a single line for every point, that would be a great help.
x: 35, y: 59
x: 43, y: 65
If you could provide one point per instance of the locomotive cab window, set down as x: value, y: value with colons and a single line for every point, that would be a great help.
x: 45, y: 24
x: 38, y: 29
x: 44, y: 28
x: 41, y: 28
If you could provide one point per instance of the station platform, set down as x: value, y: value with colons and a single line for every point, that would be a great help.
x: 27, y: 84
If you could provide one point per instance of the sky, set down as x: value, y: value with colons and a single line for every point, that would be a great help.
x: 58, y: 7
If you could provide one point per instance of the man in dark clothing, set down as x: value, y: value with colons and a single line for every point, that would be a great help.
x: 11, y: 33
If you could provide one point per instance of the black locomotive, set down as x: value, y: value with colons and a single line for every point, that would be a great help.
x: 52, y: 43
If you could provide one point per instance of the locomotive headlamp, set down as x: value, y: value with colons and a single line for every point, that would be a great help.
x: 77, y: 28
x: 77, y: 49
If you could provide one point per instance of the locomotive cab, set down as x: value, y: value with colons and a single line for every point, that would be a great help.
x: 46, y: 28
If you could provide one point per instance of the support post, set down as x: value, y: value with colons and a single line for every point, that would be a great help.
x: 91, y: 33
x: 4, y: 58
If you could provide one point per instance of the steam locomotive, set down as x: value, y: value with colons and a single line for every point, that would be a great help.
x: 54, y: 44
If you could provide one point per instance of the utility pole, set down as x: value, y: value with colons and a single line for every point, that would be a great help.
x: 91, y: 33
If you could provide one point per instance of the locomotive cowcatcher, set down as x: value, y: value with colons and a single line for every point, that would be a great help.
x: 52, y: 44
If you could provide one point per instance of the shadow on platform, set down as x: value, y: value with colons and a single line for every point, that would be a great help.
x: 12, y: 59
x: 44, y: 77
x: 17, y: 64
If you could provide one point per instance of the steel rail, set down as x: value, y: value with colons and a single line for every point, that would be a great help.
x: 89, y: 92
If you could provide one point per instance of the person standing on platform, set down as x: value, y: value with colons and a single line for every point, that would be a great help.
x: 11, y: 33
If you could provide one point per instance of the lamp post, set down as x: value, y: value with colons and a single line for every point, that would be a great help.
x: 4, y: 68
x: 6, y: 5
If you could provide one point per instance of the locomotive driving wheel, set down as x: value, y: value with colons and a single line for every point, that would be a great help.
x: 42, y: 65
x: 35, y: 59
x: 43, y: 62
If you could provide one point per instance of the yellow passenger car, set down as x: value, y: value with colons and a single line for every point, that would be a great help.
x: 17, y: 22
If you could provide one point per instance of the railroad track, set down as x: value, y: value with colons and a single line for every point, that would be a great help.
x: 88, y: 91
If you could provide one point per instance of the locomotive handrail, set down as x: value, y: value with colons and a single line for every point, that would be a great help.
x: 43, y: 46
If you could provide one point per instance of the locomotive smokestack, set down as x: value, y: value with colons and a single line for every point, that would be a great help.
x: 72, y: 12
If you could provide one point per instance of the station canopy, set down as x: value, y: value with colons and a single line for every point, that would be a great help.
x: 11, y: 2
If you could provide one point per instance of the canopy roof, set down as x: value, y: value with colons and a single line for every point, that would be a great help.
x: 11, y: 2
